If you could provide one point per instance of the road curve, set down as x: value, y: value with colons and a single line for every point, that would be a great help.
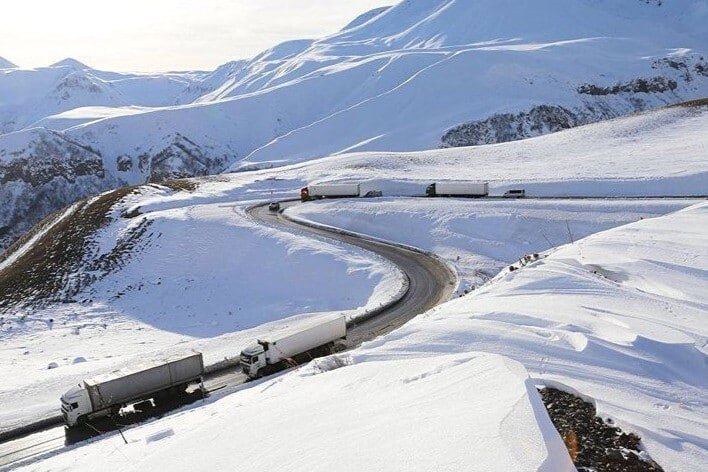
x: 431, y: 282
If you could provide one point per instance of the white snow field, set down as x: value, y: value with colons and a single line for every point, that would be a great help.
x: 479, y: 238
x: 659, y: 153
x: 619, y: 317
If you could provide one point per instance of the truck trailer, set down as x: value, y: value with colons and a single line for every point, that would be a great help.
x: 108, y: 393
x: 458, y: 189
x: 270, y: 354
x: 318, y: 191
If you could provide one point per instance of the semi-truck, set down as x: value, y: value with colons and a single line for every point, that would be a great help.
x: 458, y: 189
x: 272, y: 353
x: 106, y: 394
x: 318, y: 191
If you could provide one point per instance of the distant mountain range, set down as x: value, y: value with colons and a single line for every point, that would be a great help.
x: 421, y: 74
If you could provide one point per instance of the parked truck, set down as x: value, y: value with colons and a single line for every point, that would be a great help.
x: 270, y: 354
x: 458, y: 189
x: 314, y: 192
x: 108, y: 393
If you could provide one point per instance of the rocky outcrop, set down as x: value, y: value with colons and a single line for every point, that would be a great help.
x: 41, y: 172
x: 651, y: 85
x: 182, y: 158
x: 505, y: 127
x: 595, y: 102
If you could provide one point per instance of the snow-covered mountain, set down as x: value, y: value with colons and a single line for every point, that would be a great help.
x: 32, y: 97
x: 420, y: 74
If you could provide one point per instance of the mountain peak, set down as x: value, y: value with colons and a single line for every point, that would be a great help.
x: 70, y: 62
x: 5, y: 64
x: 365, y: 17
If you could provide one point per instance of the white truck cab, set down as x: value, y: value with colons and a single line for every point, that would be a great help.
x: 253, y: 359
x: 75, y: 403
x: 320, y: 333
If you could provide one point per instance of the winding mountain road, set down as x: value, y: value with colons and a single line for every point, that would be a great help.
x: 430, y: 282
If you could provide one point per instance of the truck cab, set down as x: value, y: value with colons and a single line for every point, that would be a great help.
x: 75, y: 404
x: 253, y: 359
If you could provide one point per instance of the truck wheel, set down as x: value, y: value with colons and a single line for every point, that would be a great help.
x: 81, y: 420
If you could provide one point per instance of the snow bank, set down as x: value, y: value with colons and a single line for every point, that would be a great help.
x: 619, y: 316
x: 479, y: 238
x: 456, y: 412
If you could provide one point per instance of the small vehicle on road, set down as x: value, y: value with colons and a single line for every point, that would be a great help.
x: 274, y: 207
x: 517, y: 193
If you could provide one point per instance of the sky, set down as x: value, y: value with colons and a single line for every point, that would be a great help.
x: 161, y: 35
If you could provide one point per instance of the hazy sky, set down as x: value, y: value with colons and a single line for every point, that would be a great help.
x: 158, y: 35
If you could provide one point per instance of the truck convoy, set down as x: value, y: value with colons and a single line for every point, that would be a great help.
x: 270, y: 354
x: 458, y: 189
x: 107, y: 394
x: 318, y: 191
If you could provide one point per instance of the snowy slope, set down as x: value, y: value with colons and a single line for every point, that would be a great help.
x: 29, y: 96
x: 618, y: 317
x: 40, y: 172
x: 406, y: 77
x: 481, y: 238
x: 660, y: 153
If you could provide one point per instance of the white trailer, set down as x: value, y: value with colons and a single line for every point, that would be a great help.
x: 313, y: 192
x: 458, y: 189
x: 108, y: 393
x: 263, y: 357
